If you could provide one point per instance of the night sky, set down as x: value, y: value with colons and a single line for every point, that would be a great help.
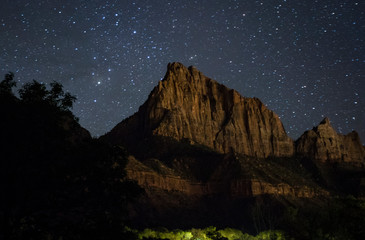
x: 303, y: 59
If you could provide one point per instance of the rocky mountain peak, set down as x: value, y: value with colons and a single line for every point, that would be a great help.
x: 188, y: 105
x: 325, y: 128
x: 325, y: 145
x: 178, y: 72
x: 175, y: 67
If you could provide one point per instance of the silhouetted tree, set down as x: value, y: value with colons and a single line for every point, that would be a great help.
x: 53, y: 187
x: 7, y: 84
x: 37, y: 93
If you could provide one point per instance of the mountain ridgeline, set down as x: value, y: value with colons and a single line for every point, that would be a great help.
x: 186, y: 105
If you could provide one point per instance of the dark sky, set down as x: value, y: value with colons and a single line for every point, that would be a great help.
x: 303, y: 59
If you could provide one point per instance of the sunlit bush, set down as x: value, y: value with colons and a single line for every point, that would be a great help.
x: 210, y: 233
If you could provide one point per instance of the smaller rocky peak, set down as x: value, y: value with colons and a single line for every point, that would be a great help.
x: 325, y: 145
x: 325, y: 121
x: 324, y: 128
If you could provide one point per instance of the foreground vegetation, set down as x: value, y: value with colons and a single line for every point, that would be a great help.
x: 341, y: 218
x: 210, y: 233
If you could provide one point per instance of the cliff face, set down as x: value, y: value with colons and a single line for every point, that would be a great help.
x: 188, y: 105
x: 325, y: 145
x: 232, y: 186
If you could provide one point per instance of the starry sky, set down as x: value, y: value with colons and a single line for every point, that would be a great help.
x: 304, y: 59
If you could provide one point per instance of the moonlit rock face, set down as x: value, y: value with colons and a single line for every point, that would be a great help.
x: 325, y: 145
x: 188, y: 105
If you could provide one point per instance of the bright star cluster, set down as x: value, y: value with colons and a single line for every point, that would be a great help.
x: 304, y: 59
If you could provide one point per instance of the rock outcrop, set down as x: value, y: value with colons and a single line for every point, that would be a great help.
x: 188, y: 105
x: 325, y: 145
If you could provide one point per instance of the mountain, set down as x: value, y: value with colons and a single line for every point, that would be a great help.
x: 339, y: 160
x: 189, y: 108
x: 188, y: 105
x: 325, y: 145
x: 205, y: 155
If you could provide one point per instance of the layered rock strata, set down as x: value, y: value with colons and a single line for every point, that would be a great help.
x: 149, y: 179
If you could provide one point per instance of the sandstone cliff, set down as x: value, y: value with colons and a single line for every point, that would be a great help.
x: 188, y: 105
x: 235, y: 187
x: 325, y: 145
